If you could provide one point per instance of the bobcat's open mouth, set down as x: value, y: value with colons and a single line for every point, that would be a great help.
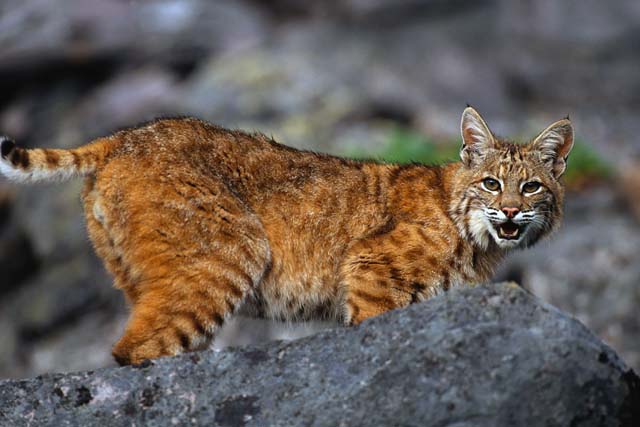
x: 508, y: 230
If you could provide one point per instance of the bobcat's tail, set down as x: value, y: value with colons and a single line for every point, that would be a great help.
x: 41, y: 165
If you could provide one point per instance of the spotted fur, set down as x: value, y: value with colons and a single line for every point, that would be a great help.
x: 196, y: 222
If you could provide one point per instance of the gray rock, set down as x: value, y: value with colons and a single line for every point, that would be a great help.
x: 17, y: 258
x: 51, y: 321
x: 493, y: 356
x: 37, y: 33
x: 130, y: 97
x: 51, y: 216
x: 14, y: 269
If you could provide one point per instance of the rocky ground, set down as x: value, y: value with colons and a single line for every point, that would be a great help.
x: 397, y: 369
x: 331, y: 75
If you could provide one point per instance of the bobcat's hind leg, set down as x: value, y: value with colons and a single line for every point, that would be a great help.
x: 181, y: 311
x: 190, y: 262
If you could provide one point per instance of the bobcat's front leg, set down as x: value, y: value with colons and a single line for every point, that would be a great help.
x: 393, y: 270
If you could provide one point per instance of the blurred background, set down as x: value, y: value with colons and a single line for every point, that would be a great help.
x: 374, y: 78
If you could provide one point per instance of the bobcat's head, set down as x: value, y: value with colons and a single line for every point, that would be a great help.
x: 508, y: 193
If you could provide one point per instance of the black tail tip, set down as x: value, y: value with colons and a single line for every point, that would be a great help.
x: 6, y: 146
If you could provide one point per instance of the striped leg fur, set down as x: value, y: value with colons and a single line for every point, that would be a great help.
x: 181, y: 287
x: 179, y: 307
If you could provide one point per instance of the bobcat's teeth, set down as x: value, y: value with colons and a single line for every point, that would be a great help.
x: 509, y: 230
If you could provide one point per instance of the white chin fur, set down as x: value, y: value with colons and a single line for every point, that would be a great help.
x: 483, y: 231
x: 506, y: 243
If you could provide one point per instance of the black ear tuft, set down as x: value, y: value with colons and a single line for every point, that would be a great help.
x: 568, y: 118
x: 6, y: 147
x: 469, y: 105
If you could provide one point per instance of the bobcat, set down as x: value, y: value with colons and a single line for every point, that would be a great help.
x: 196, y: 222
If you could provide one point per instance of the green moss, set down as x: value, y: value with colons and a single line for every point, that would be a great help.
x: 585, y: 166
x: 405, y: 145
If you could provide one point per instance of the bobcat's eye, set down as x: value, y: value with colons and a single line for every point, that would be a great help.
x: 491, y: 184
x: 531, y: 187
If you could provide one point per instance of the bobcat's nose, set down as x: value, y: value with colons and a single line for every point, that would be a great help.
x: 510, y: 212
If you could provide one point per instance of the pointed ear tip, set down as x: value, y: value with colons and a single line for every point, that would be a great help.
x: 566, y: 122
x: 469, y: 110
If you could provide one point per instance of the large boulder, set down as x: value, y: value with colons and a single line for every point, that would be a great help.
x: 493, y: 356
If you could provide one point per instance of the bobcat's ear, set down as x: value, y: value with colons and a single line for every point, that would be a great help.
x: 477, y: 139
x: 554, y: 144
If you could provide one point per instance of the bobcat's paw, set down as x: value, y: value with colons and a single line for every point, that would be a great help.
x: 127, y: 353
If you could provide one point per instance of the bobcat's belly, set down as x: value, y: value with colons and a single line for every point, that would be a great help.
x: 303, y: 280
x: 295, y: 296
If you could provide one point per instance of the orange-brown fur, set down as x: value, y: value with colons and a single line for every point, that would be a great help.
x: 196, y: 222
